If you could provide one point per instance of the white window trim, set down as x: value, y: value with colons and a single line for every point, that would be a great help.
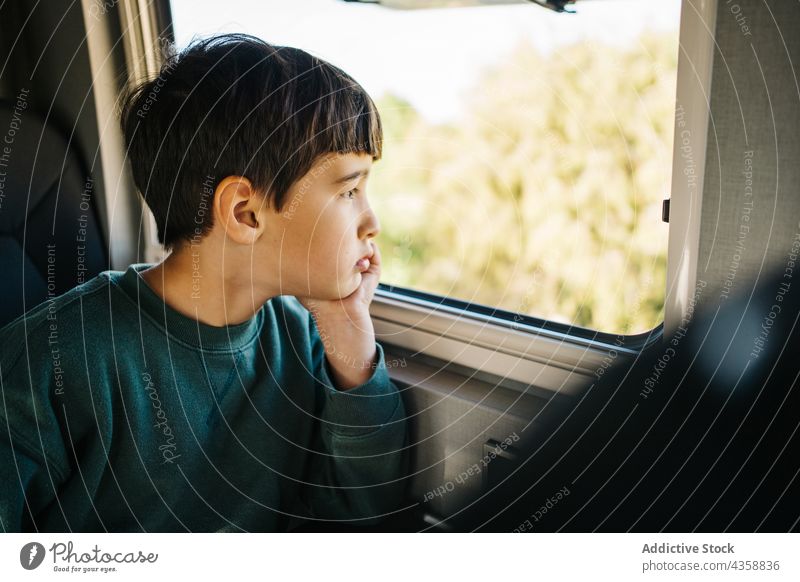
x: 695, y: 62
x: 549, y: 360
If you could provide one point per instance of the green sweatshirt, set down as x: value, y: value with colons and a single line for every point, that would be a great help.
x: 117, y: 413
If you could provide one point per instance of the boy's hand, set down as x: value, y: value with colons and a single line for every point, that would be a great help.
x: 355, y: 305
x: 346, y: 328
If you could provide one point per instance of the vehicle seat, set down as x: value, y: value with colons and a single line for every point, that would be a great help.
x: 50, y: 238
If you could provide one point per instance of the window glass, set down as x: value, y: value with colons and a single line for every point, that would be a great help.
x: 526, y: 152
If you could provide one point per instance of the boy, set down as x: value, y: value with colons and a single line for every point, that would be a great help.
x: 237, y: 385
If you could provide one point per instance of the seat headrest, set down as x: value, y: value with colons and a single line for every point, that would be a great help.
x: 34, y: 156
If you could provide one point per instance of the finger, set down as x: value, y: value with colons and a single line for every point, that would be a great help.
x: 374, y: 262
x: 370, y: 277
x: 376, y: 256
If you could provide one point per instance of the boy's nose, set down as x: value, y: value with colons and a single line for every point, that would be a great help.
x: 371, y: 226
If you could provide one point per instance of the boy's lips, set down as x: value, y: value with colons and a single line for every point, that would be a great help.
x: 363, y: 262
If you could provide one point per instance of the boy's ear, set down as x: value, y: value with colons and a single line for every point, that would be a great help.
x: 237, y: 208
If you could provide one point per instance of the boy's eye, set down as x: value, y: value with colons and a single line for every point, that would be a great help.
x: 347, y: 194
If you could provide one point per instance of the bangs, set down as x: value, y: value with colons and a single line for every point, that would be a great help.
x: 323, y: 111
x: 347, y: 121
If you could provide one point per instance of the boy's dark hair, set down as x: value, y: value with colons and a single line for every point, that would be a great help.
x: 236, y: 105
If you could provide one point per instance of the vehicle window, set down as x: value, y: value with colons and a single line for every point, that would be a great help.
x: 526, y: 153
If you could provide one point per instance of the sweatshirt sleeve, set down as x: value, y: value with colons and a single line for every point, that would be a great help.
x: 33, y: 461
x: 27, y: 487
x: 357, y: 470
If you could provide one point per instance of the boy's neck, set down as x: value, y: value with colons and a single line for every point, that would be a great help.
x: 186, y: 283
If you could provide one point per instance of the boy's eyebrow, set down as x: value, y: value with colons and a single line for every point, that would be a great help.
x: 352, y: 176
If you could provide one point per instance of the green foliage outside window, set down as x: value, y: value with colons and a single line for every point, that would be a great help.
x: 544, y: 198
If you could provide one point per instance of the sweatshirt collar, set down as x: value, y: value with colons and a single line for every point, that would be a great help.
x: 182, y: 328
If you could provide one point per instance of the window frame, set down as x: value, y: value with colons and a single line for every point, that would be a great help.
x: 695, y: 59
x: 518, y: 355
x: 532, y: 324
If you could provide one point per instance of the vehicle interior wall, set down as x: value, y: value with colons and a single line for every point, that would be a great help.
x: 10, y: 38
x: 45, y: 45
x: 750, y: 207
x: 456, y: 418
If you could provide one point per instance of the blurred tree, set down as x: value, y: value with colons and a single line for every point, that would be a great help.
x: 545, y: 197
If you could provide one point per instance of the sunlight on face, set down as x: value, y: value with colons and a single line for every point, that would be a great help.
x: 325, y: 228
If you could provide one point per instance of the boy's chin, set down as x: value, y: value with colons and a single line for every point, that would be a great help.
x: 346, y: 288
